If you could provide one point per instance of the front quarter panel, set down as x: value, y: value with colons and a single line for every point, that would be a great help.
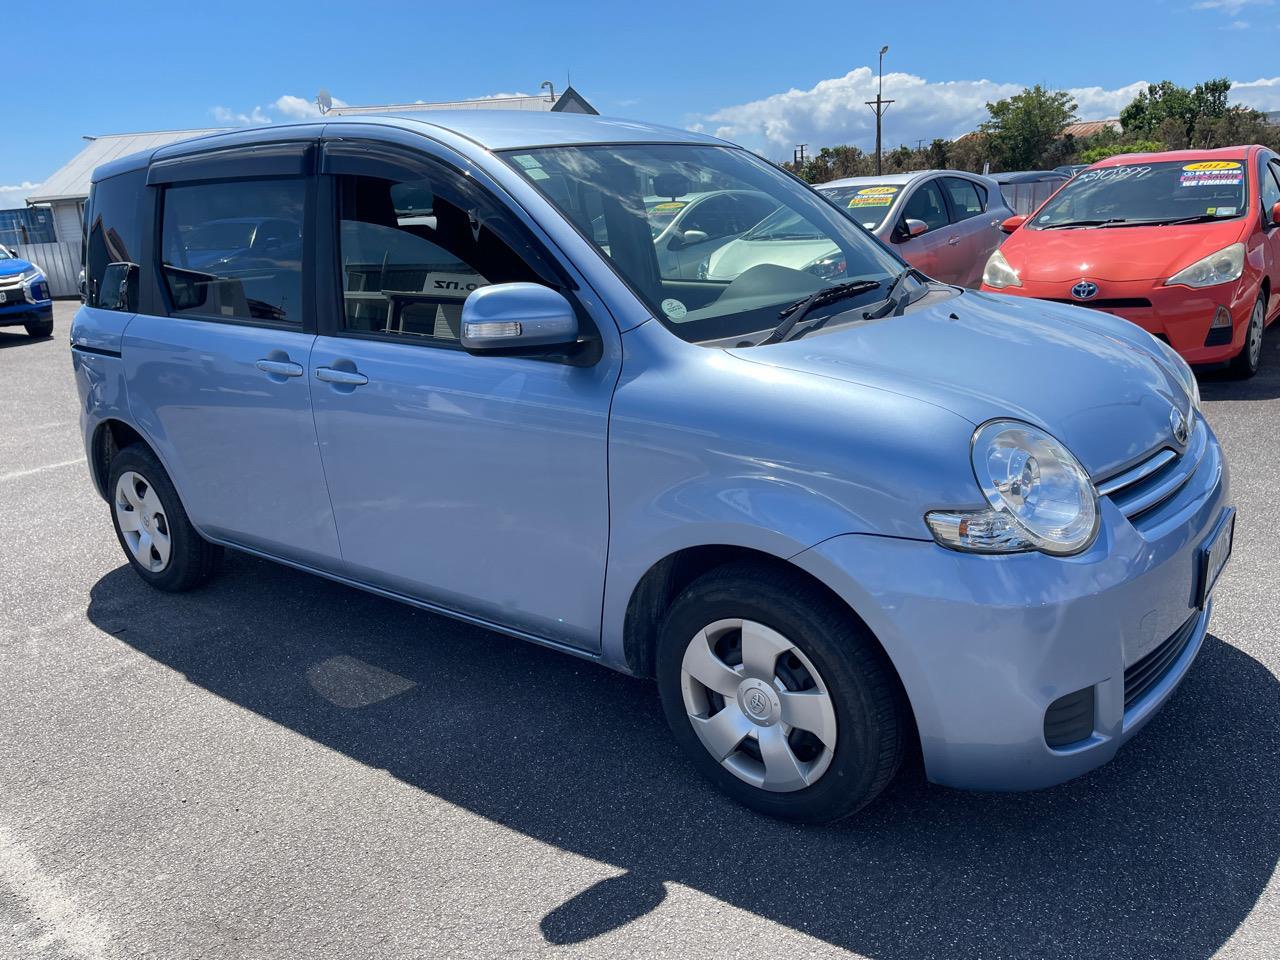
x: 706, y: 449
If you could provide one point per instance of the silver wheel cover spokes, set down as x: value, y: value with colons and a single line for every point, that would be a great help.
x: 732, y: 707
x: 1256, y: 322
x: 142, y: 521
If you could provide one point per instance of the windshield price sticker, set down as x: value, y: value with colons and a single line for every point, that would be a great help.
x: 873, y: 197
x: 673, y: 308
x: 1113, y: 174
x: 1212, y: 173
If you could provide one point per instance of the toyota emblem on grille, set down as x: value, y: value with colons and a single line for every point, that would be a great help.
x: 1084, y: 290
x: 1178, y: 424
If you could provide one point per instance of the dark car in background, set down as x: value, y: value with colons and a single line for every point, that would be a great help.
x: 24, y: 295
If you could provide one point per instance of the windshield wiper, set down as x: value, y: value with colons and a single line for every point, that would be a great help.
x: 895, y: 299
x: 1165, y: 222
x: 1083, y: 223
x: 793, y: 314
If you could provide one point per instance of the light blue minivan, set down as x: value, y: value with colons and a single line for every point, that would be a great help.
x: 841, y: 512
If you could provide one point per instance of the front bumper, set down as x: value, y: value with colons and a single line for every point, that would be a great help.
x: 23, y: 311
x: 985, y: 644
x: 1181, y: 315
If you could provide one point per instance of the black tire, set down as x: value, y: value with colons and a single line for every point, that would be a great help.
x: 192, y: 559
x: 1245, y: 364
x: 39, y: 329
x: 872, y: 724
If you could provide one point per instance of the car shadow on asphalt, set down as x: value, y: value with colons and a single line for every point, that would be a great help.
x: 1162, y: 852
x: 19, y: 339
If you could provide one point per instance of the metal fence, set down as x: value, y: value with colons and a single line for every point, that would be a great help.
x: 60, y: 263
x: 1025, y: 198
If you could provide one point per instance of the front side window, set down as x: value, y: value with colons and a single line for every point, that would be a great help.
x: 411, y: 253
x: 742, y: 282
x: 965, y: 202
x: 1136, y: 194
x: 233, y: 250
x: 926, y: 204
x: 1270, y: 189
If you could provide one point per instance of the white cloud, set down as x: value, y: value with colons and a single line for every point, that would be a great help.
x: 299, y: 108
x: 1230, y: 6
x: 255, y: 117
x: 835, y: 112
x: 14, y: 196
x: 1261, y: 94
x: 287, y: 107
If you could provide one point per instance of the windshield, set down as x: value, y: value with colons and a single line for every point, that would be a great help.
x: 747, y: 268
x: 869, y: 205
x: 1150, y: 192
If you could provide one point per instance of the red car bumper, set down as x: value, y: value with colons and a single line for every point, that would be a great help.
x: 1181, y: 315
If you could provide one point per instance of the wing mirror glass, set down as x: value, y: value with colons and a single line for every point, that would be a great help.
x: 517, y: 318
x: 1275, y: 213
x: 1010, y: 224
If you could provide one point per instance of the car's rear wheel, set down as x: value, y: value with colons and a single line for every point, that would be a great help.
x: 38, y: 329
x: 152, y: 526
x: 1249, y: 358
x: 779, y: 694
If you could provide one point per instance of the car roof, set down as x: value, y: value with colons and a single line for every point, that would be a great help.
x: 1028, y: 176
x: 1221, y: 153
x: 896, y: 179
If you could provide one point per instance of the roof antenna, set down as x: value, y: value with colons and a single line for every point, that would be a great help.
x: 324, y: 102
x: 548, y: 86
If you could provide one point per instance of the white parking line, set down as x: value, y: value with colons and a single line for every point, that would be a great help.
x: 56, y: 922
x: 48, y: 466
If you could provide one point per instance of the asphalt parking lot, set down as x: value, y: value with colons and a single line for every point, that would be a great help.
x: 277, y: 766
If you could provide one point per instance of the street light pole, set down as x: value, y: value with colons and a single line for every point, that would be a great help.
x: 880, y: 105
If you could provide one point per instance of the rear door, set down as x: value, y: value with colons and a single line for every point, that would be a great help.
x: 971, y: 238
x: 928, y: 252
x: 216, y: 358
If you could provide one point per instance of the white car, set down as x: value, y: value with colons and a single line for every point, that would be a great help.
x: 690, y: 228
x: 783, y: 238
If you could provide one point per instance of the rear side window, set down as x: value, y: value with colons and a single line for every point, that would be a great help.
x: 233, y: 250
x: 965, y: 201
x: 113, y: 241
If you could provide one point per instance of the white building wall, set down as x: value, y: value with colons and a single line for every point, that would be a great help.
x: 68, y: 220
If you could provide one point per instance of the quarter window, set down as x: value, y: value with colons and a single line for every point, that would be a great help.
x: 233, y: 250
x: 412, y: 251
x: 965, y: 202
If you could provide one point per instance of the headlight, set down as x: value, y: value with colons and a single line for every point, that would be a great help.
x: 1040, y: 496
x: 31, y: 275
x: 827, y: 268
x: 1221, y: 267
x: 998, y: 273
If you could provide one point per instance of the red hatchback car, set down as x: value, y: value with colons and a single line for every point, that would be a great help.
x: 1186, y: 244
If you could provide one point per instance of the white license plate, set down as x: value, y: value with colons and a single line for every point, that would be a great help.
x: 1214, y: 554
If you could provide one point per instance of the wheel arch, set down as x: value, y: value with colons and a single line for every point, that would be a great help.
x: 109, y: 437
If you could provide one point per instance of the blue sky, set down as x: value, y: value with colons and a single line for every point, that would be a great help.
x: 754, y: 72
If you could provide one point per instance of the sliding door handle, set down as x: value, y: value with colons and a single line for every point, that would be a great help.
x: 280, y: 368
x: 348, y: 378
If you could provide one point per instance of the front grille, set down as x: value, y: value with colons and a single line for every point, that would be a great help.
x: 1069, y: 719
x: 1109, y: 303
x: 1153, y: 481
x: 1151, y: 669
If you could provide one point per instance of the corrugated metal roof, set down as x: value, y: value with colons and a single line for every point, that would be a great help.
x: 71, y: 181
x: 1087, y: 128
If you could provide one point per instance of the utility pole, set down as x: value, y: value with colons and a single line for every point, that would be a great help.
x: 879, y: 105
x: 797, y: 155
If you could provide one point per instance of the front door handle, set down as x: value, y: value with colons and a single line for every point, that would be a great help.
x: 280, y: 368
x: 347, y: 378
x: 952, y: 241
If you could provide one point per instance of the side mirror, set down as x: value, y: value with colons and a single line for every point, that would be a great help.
x: 1275, y: 214
x: 517, y: 318
x: 912, y: 228
x: 1010, y: 224
x: 690, y: 237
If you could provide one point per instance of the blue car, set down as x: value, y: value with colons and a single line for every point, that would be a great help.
x: 24, y: 295
x: 842, y: 514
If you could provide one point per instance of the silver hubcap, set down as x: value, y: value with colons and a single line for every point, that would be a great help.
x: 141, y: 518
x: 1256, y: 322
x: 758, y: 705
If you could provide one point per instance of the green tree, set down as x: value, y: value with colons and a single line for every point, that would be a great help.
x: 1169, y: 112
x: 1101, y: 152
x: 1024, y: 129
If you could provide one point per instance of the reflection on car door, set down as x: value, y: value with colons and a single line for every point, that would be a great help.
x: 477, y: 483
x: 217, y: 382
x: 927, y: 252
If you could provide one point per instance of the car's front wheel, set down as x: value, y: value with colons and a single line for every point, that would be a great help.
x: 152, y: 526
x: 779, y: 694
x: 1249, y: 358
x: 39, y: 329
